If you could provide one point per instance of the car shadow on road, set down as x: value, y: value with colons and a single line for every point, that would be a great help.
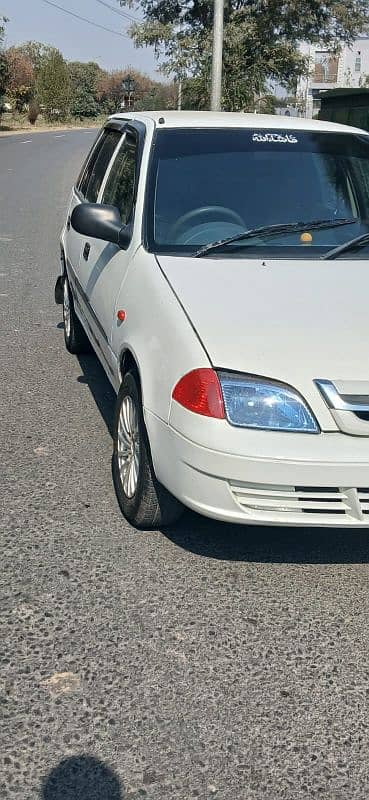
x: 100, y: 387
x: 82, y: 778
x: 227, y: 542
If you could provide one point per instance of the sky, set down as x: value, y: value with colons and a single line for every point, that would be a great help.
x: 77, y: 40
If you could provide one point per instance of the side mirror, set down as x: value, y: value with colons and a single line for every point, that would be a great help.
x: 100, y: 222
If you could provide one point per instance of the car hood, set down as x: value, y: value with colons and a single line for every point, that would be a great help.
x: 293, y: 321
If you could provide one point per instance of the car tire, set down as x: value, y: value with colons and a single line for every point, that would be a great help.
x: 144, y: 502
x: 75, y: 338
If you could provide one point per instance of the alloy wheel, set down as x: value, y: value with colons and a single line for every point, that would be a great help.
x: 128, y: 446
x: 66, y: 308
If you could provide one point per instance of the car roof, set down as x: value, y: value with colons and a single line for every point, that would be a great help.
x: 226, y: 119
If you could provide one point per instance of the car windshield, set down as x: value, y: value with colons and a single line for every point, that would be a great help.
x: 211, y: 184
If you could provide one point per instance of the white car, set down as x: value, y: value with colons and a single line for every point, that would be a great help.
x: 217, y: 264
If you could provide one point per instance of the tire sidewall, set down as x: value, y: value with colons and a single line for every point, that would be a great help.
x: 68, y: 339
x: 130, y: 505
x: 77, y: 341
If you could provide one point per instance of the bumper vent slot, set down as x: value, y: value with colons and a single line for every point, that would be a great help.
x: 363, y: 495
x: 331, y: 500
x: 327, y: 502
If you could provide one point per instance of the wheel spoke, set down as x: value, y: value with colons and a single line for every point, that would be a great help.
x: 126, y: 483
x: 125, y: 415
x: 122, y: 436
x: 131, y: 481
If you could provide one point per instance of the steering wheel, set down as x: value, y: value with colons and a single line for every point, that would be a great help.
x: 213, y: 212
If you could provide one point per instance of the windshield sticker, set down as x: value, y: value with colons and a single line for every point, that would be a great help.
x: 281, y: 138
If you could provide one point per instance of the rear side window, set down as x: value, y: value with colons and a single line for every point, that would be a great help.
x: 120, y: 186
x: 94, y: 173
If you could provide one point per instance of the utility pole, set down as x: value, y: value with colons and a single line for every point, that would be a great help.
x: 179, y: 96
x: 216, y: 75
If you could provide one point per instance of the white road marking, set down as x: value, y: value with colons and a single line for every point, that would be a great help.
x: 5, y: 239
x: 25, y: 141
x: 60, y: 135
x: 3, y: 295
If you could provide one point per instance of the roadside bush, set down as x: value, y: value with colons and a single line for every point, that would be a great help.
x: 33, y: 111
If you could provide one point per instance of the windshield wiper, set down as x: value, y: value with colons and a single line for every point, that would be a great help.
x: 271, y: 230
x: 352, y: 244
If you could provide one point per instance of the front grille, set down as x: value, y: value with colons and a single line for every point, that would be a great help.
x: 326, y: 502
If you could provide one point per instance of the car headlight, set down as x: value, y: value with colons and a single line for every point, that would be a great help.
x: 256, y: 403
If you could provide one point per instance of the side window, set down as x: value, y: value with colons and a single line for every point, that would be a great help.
x: 120, y: 185
x: 84, y: 174
x: 98, y: 164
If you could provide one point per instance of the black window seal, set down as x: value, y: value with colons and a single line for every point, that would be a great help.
x: 138, y: 129
x: 145, y: 226
x: 79, y: 195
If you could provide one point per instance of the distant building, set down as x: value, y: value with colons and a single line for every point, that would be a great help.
x: 346, y: 106
x: 328, y: 70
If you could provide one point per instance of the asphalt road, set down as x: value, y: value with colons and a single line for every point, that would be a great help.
x: 207, y: 661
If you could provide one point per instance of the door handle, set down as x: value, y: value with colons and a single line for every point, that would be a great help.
x: 86, y: 251
x: 68, y: 224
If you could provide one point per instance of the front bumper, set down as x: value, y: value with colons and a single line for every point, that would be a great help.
x: 259, y: 477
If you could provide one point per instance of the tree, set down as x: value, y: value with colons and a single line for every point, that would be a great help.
x: 260, y: 40
x: 21, y: 82
x: 24, y: 64
x: 84, y: 81
x: 109, y: 91
x: 37, y: 53
x: 148, y: 94
x: 157, y: 97
x: 53, y: 86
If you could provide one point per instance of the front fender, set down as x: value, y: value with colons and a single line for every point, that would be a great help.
x: 156, y: 331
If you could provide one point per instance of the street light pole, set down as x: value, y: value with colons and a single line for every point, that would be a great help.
x: 128, y: 86
x: 216, y: 75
